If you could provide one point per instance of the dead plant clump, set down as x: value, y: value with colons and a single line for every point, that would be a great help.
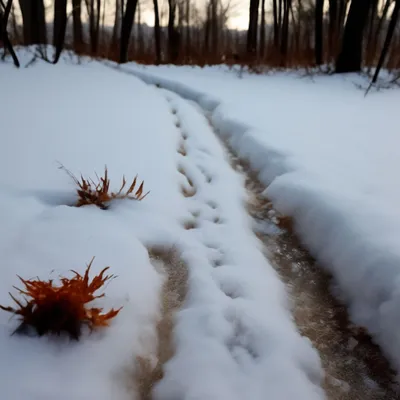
x: 98, y: 193
x: 61, y: 309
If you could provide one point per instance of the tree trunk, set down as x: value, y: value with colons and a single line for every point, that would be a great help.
x: 262, y: 30
x: 4, y: 15
x: 116, y: 27
x: 370, y: 53
x: 319, y: 33
x: 188, y: 28
x: 77, y: 24
x: 388, y: 40
x: 214, y: 28
x: 157, y: 32
x: 126, y: 29
x: 174, y: 37
x: 276, y: 24
x: 97, y: 28
x: 341, y: 16
x: 377, y: 33
x: 60, y: 25
x: 34, y: 22
x: 91, y: 15
x: 333, y: 17
x: 140, y: 41
x: 350, y: 57
x: 207, y: 26
x: 253, y: 27
x: 94, y: 11
x: 285, y: 32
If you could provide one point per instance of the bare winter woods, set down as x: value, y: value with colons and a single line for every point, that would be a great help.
x: 345, y: 34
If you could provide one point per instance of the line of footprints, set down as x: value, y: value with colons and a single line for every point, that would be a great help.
x: 189, y: 190
x: 237, y: 343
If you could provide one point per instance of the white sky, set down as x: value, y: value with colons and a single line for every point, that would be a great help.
x: 238, y: 16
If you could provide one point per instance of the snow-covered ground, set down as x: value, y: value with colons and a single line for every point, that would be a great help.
x: 234, y: 337
x: 330, y: 158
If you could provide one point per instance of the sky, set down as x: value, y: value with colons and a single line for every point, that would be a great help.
x: 240, y: 18
x: 238, y: 14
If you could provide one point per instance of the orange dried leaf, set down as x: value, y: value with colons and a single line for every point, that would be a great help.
x: 53, y: 309
x: 99, y: 194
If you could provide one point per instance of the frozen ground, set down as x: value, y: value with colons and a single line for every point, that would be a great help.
x: 329, y: 157
x: 234, y: 337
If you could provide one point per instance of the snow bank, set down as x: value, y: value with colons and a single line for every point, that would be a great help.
x: 83, y: 117
x: 329, y: 157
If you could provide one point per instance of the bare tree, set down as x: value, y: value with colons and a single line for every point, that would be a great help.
x: 5, y: 10
x: 157, y: 32
x: 117, y: 25
x: 139, y: 35
x: 60, y: 25
x: 276, y: 24
x: 388, y: 40
x: 174, y: 37
x: 350, y: 57
x: 319, y: 33
x: 188, y: 27
x: 285, y: 30
x: 262, y: 29
x: 34, y: 21
x: 77, y: 24
x: 94, y: 11
x: 377, y: 33
x: 253, y: 26
x: 126, y: 29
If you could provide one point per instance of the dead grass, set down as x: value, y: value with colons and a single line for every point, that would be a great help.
x: 98, y: 192
x: 57, y: 309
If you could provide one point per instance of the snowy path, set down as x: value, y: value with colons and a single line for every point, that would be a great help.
x: 234, y: 329
x: 355, y: 368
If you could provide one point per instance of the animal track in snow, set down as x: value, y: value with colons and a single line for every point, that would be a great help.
x: 182, y: 149
x: 231, y: 290
x: 190, y: 224
x: 188, y: 192
x: 217, y: 220
x: 218, y: 262
x: 240, y: 343
x: 212, y: 204
x: 196, y: 213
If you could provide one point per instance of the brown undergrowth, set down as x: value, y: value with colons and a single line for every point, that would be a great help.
x: 51, y: 309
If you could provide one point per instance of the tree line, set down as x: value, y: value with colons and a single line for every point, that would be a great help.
x: 344, y: 34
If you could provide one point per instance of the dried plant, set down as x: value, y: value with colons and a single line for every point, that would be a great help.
x: 99, y: 194
x: 56, y: 309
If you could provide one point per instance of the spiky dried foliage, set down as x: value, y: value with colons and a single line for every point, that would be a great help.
x: 57, y: 309
x: 99, y: 194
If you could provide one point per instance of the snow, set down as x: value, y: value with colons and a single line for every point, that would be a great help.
x: 234, y: 336
x: 329, y: 158
x: 224, y: 335
x: 84, y: 117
